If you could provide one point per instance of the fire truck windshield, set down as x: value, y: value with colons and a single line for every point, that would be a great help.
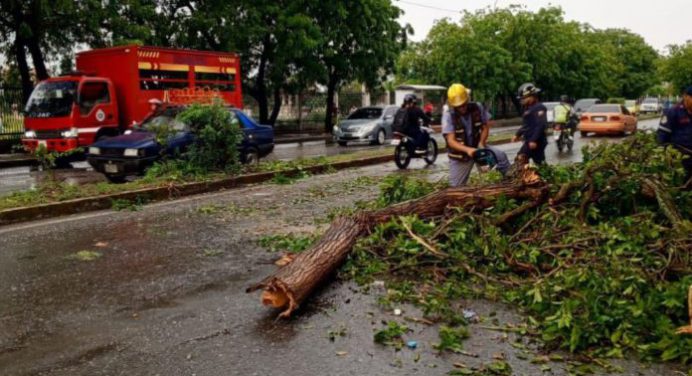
x: 52, y: 99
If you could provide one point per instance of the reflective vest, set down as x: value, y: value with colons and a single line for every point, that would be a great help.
x: 560, y: 113
x: 474, y: 114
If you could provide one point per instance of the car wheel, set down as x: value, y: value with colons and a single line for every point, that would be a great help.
x: 116, y: 179
x: 583, y: 134
x: 342, y: 143
x: 252, y: 157
x: 381, y: 136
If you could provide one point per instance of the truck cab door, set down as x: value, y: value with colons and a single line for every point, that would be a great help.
x: 97, y: 110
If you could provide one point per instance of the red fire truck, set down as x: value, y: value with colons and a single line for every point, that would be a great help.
x: 112, y: 89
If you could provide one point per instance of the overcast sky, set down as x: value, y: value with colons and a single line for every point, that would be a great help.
x: 660, y: 22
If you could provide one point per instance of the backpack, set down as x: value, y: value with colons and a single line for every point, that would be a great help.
x: 400, y: 120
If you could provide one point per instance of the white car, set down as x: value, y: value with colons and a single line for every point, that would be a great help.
x: 650, y: 105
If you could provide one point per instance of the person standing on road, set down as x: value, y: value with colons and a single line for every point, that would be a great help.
x: 675, y: 128
x: 534, y: 125
x: 408, y: 120
x: 465, y: 128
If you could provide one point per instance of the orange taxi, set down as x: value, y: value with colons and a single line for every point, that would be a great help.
x: 607, y: 119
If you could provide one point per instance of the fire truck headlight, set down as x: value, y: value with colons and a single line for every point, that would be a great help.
x: 94, y: 150
x: 131, y: 152
x: 70, y: 134
x: 29, y: 134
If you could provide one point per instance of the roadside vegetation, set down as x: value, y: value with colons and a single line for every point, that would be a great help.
x: 602, y: 273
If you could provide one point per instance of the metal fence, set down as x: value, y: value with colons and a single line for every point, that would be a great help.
x: 305, y: 113
x: 11, y: 119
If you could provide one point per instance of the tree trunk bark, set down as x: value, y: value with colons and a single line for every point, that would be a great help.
x: 37, y: 57
x: 23, y: 67
x: 276, y: 108
x: 291, y: 285
x: 260, y: 82
x: 329, y: 116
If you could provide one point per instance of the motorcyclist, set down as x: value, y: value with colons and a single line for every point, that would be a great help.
x: 563, y: 113
x: 465, y: 128
x: 408, y: 120
x: 534, y: 125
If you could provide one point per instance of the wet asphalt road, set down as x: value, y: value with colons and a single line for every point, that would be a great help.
x: 164, y: 294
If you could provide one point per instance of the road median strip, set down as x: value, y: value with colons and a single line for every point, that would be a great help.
x: 177, y: 190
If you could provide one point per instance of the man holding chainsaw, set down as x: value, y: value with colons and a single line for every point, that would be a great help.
x: 465, y: 128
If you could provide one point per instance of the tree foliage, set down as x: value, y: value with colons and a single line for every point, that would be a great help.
x: 676, y: 67
x: 493, y: 50
x: 602, y: 268
x: 360, y: 40
x: 285, y: 46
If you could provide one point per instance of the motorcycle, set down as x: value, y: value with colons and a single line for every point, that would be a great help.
x: 405, y: 149
x: 563, y: 134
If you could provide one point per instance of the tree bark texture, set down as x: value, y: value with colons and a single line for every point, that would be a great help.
x: 23, y: 67
x: 331, y: 108
x: 292, y: 284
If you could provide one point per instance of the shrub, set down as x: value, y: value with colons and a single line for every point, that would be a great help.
x: 218, y: 135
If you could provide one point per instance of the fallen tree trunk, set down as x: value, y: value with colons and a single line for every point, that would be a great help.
x: 290, y: 285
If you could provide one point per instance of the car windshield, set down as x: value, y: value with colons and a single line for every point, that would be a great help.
x: 52, y: 99
x: 605, y: 108
x: 366, y: 113
x: 650, y: 100
x: 583, y: 104
x: 164, y: 120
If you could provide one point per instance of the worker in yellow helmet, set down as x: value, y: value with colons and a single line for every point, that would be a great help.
x: 465, y: 126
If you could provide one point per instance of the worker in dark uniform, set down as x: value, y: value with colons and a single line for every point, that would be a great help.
x: 676, y: 129
x: 534, y: 125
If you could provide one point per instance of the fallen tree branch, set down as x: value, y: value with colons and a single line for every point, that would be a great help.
x: 290, y: 285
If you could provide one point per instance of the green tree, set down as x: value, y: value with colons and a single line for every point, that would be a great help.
x: 361, y: 40
x: 453, y: 53
x: 635, y: 61
x: 35, y: 27
x: 676, y: 67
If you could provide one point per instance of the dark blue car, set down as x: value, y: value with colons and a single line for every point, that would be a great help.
x: 134, y: 151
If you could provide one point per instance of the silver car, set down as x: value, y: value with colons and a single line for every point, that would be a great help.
x: 367, y: 124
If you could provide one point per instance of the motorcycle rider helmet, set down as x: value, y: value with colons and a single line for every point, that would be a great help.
x: 410, y: 98
x: 526, y: 90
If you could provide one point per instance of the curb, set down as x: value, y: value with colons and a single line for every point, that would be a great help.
x: 18, y: 162
x: 80, y: 205
x: 57, y: 209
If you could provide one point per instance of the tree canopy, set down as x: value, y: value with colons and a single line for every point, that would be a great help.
x: 494, y: 50
x: 284, y: 45
x: 676, y: 68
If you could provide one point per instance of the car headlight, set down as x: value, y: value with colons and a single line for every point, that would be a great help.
x: 335, y: 129
x: 366, y: 129
x: 70, y: 134
x: 131, y: 152
x: 94, y: 150
x: 30, y: 134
